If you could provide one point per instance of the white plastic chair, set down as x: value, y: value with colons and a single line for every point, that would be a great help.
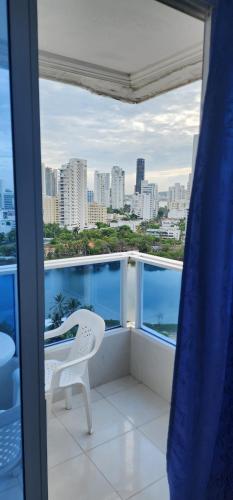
x: 74, y: 370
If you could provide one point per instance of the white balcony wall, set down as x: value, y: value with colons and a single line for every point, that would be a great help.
x: 152, y: 362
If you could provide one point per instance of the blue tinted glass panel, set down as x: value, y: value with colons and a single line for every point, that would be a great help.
x: 7, y: 304
x: 161, y: 296
x: 11, y: 473
x: 95, y: 286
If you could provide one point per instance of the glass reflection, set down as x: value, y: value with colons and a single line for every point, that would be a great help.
x: 11, y: 481
x: 161, y: 297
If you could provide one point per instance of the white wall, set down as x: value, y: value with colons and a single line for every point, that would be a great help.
x: 125, y: 352
x: 152, y: 362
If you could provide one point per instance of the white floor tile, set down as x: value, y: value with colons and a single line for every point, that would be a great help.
x: 107, y: 424
x: 157, y: 431
x: 59, y: 408
x: 79, y: 479
x: 158, y: 491
x: 117, y: 385
x: 61, y: 445
x: 130, y: 463
x: 139, y: 404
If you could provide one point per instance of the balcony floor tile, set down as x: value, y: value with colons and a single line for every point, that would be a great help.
x: 124, y: 456
x: 61, y: 445
x: 107, y: 424
x: 157, y: 491
x: 77, y: 401
x: 79, y: 478
x: 116, y: 386
x: 157, y: 431
x: 129, y: 462
x: 139, y: 404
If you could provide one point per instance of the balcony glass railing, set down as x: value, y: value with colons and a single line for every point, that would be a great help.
x: 7, y: 302
x: 145, y: 292
x: 158, y: 295
x: 160, y: 302
x: 94, y: 286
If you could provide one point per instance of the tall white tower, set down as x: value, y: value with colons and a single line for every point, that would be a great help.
x: 118, y: 187
x: 151, y: 189
x: 102, y: 188
x: 73, y: 194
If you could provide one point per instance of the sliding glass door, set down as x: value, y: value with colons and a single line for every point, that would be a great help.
x: 22, y: 406
x: 11, y: 470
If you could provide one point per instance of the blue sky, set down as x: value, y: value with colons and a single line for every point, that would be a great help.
x: 106, y: 132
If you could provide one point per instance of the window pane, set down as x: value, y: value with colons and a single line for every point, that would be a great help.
x: 95, y: 286
x: 161, y: 295
x: 11, y: 477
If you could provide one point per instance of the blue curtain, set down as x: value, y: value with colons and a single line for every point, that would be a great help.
x: 200, y: 443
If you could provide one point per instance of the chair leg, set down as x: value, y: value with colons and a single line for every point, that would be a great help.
x: 87, y: 400
x: 68, y: 395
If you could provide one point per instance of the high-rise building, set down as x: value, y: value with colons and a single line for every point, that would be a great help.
x: 118, y: 187
x: 49, y: 181
x: 50, y: 210
x: 141, y: 206
x: 97, y: 213
x: 73, y: 194
x: 7, y: 221
x: 90, y: 196
x: 189, y: 187
x: 102, y: 188
x: 136, y: 207
x: 8, y: 200
x: 151, y: 189
x: 176, y: 193
x: 140, y: 174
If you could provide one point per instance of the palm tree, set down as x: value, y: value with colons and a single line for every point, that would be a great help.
x: 59, y: 306
x: 56, y: 320
x: 72, y: 305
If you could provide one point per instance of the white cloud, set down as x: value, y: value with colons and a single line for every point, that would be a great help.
x: 76, y: 123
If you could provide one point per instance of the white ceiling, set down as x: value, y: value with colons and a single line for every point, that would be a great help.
x: 130, y: 49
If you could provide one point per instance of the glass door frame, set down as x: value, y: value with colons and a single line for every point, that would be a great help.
x: 24, y: 78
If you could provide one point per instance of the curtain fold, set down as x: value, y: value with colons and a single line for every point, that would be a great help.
x: 200, y: 442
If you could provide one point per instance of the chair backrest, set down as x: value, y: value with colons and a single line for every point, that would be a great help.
x: 90, y: 333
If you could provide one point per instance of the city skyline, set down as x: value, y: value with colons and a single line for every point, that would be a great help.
x: 76, y: 123
x: 106, y: 132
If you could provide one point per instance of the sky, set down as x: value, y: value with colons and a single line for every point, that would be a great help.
x: 76, y: 123
x: 107, y: 132
x: 6, y: 169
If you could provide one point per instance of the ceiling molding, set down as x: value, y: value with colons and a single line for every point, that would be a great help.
x: 199, y: 9
x: 185, y: 59
x: 156, y: 79
x: 96, y: 78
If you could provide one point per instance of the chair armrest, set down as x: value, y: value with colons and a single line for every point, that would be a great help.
x: 57, y: 332
x: 63, y: 366
x: 74, y: 362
